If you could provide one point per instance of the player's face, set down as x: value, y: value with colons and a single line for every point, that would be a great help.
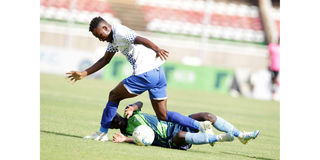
x: 102, y: 32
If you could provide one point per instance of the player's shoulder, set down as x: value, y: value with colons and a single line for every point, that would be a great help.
x: 120, y: 28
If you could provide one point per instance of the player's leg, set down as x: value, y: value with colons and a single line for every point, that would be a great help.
x: 219, y: 123
x: 160, y: 108
x: 158, y: 96
x: 129, y: 87
x: 115, y: 96
x: 182, y: 138
x: 224, y: 126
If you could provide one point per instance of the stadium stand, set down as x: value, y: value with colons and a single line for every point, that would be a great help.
x: 229, y: 21
x: 219, y: 19
x: 164, y: 21
x: 80, y: 11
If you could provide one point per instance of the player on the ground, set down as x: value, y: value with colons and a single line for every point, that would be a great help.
x: 146, y: 59
x: 172, y: 135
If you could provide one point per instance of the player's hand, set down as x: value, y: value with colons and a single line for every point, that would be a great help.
x: 129, y: 112
x: 163, y: 54
x: 74, y: 76
x: 118, y: 138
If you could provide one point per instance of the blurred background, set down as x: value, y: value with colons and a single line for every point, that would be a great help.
x: 224, y: 46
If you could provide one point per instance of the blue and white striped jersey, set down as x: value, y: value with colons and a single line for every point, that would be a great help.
x: 140, y: 57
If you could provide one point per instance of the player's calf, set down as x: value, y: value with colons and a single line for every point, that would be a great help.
x: 205, y: 138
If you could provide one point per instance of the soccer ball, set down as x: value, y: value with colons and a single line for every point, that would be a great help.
x: 143, y: 135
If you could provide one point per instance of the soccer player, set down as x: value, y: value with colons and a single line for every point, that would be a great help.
x: 146, y: 59
x: 173, y: 135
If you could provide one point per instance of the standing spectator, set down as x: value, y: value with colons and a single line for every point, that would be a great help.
x: 274, y: 50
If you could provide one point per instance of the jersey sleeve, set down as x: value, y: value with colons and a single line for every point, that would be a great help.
x: 112, y: 48
x: 130, y: 36
x: 127, y: 34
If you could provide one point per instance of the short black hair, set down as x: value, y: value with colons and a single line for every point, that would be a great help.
x: 116, y: 118
x: 95, y: 22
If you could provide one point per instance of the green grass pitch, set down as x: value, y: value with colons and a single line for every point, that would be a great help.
x: 67, y: 113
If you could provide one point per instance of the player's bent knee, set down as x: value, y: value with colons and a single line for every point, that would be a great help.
x: 162, y: 117
x: 211, y: 117
x: 179, y: 138
x: 181, y: 135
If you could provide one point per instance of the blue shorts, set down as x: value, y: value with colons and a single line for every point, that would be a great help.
x: 154, y: 81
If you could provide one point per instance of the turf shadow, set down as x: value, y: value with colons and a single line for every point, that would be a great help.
x: 60, y: 134
x: 243, y: 155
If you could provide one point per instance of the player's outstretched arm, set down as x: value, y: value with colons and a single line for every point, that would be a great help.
x: 163, y: 54
x: 119, y: 138
x: 74, y: 76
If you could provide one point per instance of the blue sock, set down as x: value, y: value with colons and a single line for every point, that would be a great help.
x: 200, y: 138
x: 224, y: 126
x: 108, y: 113
x: 176, y: 117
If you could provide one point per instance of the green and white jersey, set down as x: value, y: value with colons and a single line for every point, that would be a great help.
x: 163, y: 130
